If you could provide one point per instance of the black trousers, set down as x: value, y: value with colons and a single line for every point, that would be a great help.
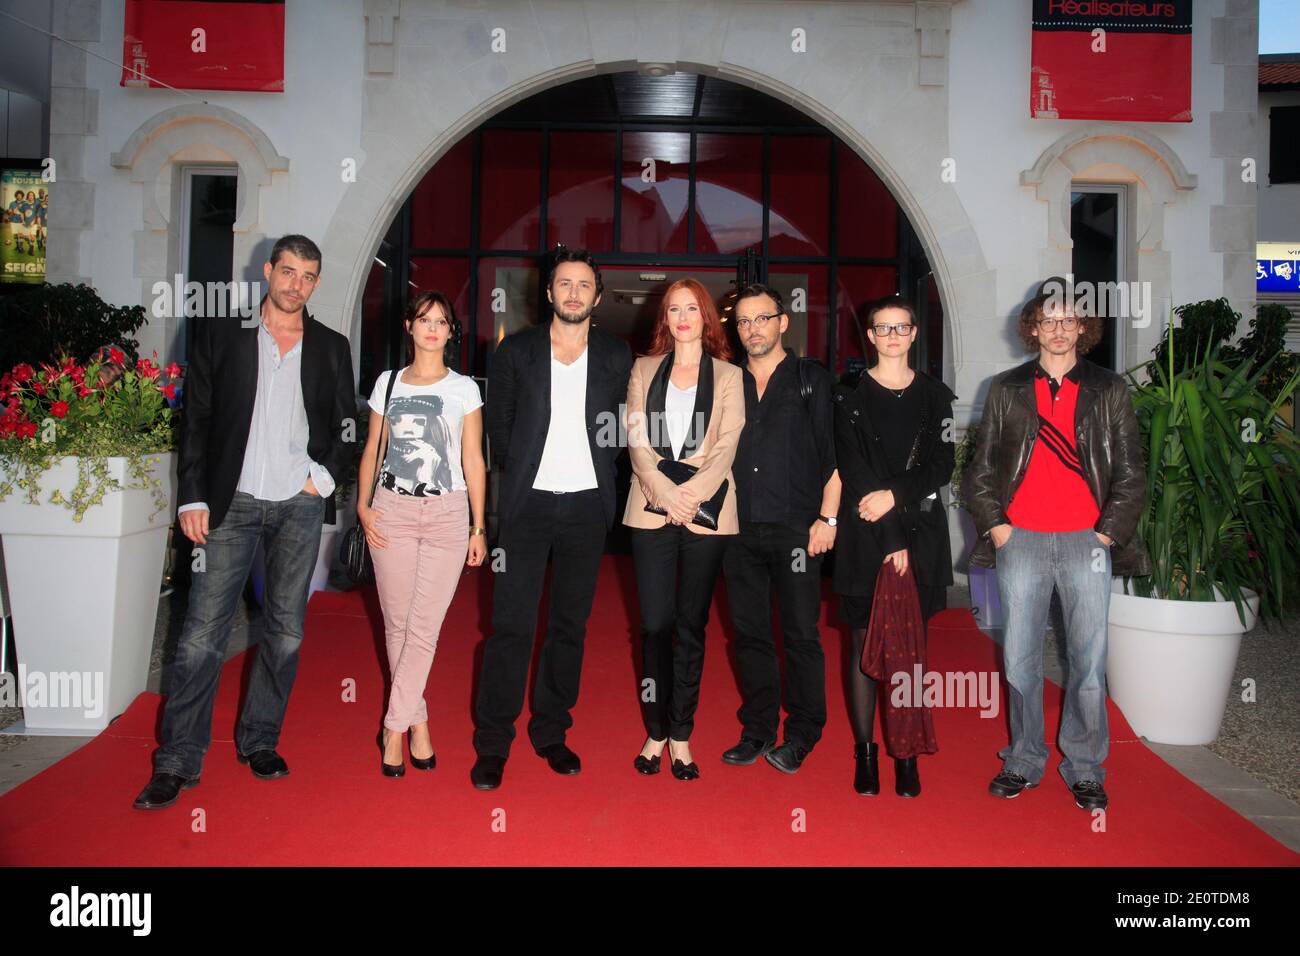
x: 570, y: 528
x: 768, y: 557
x: 674, y: 612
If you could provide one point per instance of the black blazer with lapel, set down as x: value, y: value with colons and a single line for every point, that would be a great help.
x: 220, y: 390
x: 519, y: 411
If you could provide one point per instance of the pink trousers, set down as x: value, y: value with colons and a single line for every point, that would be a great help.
x: 416, y: 574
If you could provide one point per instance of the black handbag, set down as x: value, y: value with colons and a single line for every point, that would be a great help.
x: 706, y: 516
x: 354, y: 550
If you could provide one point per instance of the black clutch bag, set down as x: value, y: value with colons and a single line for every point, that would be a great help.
x: 706, y: 516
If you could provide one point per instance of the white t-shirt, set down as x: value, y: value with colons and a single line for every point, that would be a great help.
x: 425, y: 424
x: 679, y: 406
x: 566, y: 460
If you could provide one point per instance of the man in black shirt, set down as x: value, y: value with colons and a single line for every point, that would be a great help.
x: 788, y: 493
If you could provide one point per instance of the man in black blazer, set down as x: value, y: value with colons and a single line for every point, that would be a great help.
x: 553, y: 393
x: 264, y: 439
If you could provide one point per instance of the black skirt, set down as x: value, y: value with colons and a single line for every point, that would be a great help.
x: 856, y: 611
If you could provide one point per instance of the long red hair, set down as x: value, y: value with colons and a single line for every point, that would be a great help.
x: 714, y: 338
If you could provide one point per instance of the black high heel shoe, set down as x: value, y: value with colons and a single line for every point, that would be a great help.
x: 389, y: 769
x: 907, y: 780
x: 647, y: 765
x: 423, y: 763
x: 866, y: 775
x: 684, y: 771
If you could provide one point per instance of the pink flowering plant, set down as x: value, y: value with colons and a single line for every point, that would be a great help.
x: 103, y: 409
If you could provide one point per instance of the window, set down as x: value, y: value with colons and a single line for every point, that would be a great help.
x: 1284, y: 144
x: 1097, y: 216
x: 208, y: 196
x: 651, y: 189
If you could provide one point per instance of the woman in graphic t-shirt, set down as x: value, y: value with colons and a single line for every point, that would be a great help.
x: 432, y: 479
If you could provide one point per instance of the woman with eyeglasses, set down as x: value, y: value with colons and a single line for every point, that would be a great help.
x: 685, y: 413
x: 432, y: 480
x: 895, y: 451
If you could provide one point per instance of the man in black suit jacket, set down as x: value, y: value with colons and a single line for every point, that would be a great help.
x: 262, y: 447
x: 553, y: 401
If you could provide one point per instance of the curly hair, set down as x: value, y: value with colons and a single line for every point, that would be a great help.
x: 1090, y: 327
x: 714, y: 336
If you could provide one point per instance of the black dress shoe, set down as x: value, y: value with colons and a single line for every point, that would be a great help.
x: 486, y: 772
x: 424, y: 763
x: 646, y: 765
x: 265, y: 764
x: 561, y: 758
x: 866, y: 774
x: 788, y: 757
x: 907, y: 779
x: 1089, y: 795
x: 388, y: 769
x: 1008, y: 785
x: 747, y: 751
x: 685, y: 771
x: 162, y: 791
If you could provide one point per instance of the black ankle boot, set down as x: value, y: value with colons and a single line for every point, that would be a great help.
x: 866, y: 777
x: 907, y: 781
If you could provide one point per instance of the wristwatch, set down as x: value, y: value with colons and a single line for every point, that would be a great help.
x: 830, y: 521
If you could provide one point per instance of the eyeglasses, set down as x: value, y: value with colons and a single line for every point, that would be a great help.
x: 438, y: 324
x: 1069, y: 323
x: 901, y: 330
x: 758, y: 322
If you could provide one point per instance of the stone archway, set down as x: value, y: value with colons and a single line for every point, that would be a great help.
x: 890, y: 106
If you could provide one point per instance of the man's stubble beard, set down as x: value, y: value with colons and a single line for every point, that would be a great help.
x: 573, y: 318
x: 287, y: 306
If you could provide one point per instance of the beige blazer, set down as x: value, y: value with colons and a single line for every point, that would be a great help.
x: 712, y: 453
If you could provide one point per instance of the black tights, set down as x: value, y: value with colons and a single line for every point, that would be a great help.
x: 862, y: 693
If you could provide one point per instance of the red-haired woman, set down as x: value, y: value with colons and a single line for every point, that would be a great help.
x: 685, y: 406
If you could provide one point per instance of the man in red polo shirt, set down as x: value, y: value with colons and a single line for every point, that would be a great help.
x: 1056, y: 486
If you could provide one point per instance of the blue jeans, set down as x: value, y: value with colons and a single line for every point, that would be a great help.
x: 1077, y: 564
x: 290, y: 532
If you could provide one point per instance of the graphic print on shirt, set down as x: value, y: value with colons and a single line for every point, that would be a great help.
x: 419, y: 443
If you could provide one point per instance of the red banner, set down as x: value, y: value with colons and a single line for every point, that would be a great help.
x: 1125, y: 60
x: 204, y: 44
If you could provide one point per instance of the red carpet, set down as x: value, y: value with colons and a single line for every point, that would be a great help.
x: 335, y: 808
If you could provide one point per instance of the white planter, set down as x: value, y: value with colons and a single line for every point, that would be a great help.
x: 985, y: 602
x: 84, y: 596
x: 1170, y: 664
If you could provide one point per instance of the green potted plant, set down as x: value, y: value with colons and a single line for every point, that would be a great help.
x: 47, y: 321
x: 87, y: 485
x: 1221, y: 521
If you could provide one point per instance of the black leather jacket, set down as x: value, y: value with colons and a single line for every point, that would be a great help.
x: 1109, y: 446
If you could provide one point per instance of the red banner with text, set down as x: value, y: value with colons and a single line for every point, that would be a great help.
x: 204, y: 44
x: 1112, y: 60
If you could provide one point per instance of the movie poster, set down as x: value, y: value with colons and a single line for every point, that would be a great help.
x: 24, y: 203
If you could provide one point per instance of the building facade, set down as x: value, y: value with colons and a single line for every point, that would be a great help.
x: 930, y: 97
